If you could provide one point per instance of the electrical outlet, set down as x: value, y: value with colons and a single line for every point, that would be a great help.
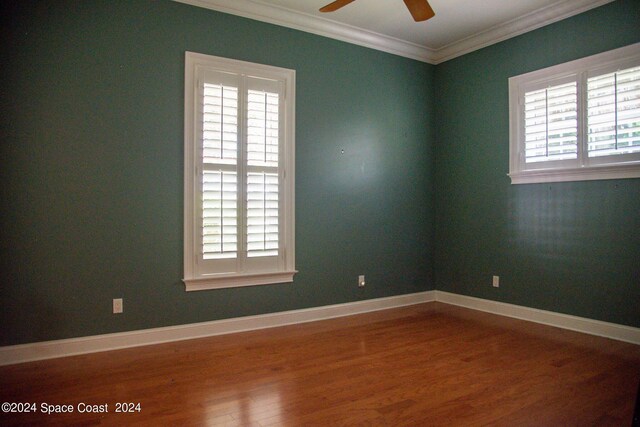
x: 361, y: 281
x: 496, y: 281
x: 117, y: 305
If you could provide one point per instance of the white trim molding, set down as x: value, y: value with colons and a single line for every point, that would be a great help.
x: 325, y: 27
x: 620, y: 171
x: 21, y: 353
x: 234, y: 281
x: 523, y: 24
x: 574, y: 323
x: 74, y: 346
x: 315, y: 25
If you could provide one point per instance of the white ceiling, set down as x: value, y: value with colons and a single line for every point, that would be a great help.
x: 459, y: 27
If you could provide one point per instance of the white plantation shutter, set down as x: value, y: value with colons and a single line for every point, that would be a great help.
x: 262, y: 214
x: 240, y: 151
x: 220, y: 124
x: 240, y: 170
x: 262, y: 128
x: 263, y: 111
x: 551, y: 123
x: 614, y: 113
x: 219, y: 215
x: 219, y: 175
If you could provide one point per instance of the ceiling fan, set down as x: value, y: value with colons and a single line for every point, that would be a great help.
x: 419, y: 9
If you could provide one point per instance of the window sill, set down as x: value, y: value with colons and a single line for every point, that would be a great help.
x: 219, y: 281
x: 619, y: 171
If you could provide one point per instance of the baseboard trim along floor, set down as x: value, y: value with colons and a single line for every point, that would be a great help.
x: 69, y: 347
x: 565, y: 321
x: 74, y: 346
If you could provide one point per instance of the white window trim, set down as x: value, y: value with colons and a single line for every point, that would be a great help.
x: 194, y: 280
x: 583, y: 169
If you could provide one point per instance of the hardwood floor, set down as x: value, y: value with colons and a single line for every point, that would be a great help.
x: 429, y: 364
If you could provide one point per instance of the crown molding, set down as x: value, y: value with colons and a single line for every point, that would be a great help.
x: 523, y: 24
x: 315, y: 25
x: 254, y: 9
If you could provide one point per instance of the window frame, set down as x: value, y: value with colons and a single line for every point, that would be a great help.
x: 199, y: 275
x: 583, y: 167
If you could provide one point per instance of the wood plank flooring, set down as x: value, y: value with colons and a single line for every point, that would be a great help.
x: 429, y: 364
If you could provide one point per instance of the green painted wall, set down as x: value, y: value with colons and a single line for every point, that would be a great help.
x: 91, y: 145
x: 567, y: 247
x: 91, y: 120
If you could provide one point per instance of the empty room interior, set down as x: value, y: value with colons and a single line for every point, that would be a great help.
x: 255, y: 213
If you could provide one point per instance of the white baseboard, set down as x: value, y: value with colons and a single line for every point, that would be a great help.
x: 68, y: 347
x: 580, y: 324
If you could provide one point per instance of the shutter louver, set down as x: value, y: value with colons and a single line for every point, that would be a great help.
x: 262, y: 177
x: 613, y: 115
x: 262, y: 129
x: 219, y: 215
x: 551, y: 123
x: 220, y: 124
x: 262, y: 214
x: 219, y: 176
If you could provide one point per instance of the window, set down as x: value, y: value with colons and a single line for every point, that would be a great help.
x: 239, y: 173
x: 577, y: 121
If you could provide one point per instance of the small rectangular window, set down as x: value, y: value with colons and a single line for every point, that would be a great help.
x: 577, y: 121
